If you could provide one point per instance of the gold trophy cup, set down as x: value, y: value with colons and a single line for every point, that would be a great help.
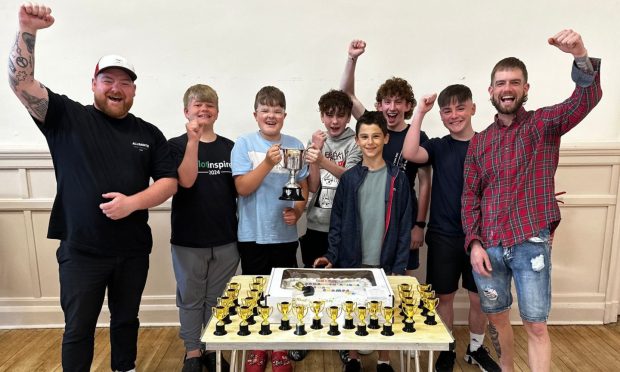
x: 410, y: 310
x: 220, y: 312
x: 374, y: 307
x: 348, y: 307
x: 265, y: 313
x: 361, y: 321
x: 284, y: 308
x: 226, y: 302
x: 334, y: 312
x: 388, y: 315
x: 300, y: 312
x: 317, y: 308
x: 431, y: 305
x: 244, y: 313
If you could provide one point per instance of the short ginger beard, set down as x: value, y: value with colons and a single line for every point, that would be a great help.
x: 518, y: 104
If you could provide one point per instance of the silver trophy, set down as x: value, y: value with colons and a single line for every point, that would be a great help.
x: 293, y: 161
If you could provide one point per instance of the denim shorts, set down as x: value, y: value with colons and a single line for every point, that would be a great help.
x: 529, y: 263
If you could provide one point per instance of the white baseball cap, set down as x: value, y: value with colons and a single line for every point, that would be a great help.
x: 112, y: 60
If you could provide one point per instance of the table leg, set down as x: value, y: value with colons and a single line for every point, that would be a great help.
x: 417, y: 360
x: 402, y: 361
x: 218, y: 360
x: 233, y: 361
x: 408, y: 361
x: 243, y: 361
x: 430, y: 361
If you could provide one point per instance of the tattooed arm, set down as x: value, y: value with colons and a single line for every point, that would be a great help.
x: 30, y: 92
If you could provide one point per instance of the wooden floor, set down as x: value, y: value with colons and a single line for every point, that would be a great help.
x: 575, y: 348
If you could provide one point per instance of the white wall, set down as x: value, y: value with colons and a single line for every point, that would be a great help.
x: 300, y: 46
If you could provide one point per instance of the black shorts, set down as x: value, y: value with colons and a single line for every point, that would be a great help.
x: 313, y: 245
x: 446, y: 262
x: 259, y: 259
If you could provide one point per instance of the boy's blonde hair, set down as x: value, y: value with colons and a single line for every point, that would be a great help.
x: 270, y: 96
x: 200, y: 93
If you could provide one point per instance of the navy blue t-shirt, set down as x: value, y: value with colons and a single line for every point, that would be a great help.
x: 447, y: 157
x: 392, y: 153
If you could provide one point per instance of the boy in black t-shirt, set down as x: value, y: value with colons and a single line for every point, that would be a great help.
x: 204, y: 222
x: 447, y: 260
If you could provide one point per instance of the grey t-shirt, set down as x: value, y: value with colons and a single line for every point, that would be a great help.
x: 371, y: 201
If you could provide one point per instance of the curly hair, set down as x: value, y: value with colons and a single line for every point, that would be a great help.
x: 335, y: 100
x: 397, y: 87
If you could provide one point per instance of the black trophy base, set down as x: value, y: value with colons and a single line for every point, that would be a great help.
x: 264, y: 330
x: 361, y: 330
x: 408, y: 328
x: 316, y: 324
x: 374, y: 324
x: 251, y: 320
x: 348, y: 324
x: 430, y: 320
x: 219, y: 330
x: 243, y: 330
x: 300, y: 330
x: 285, y: 325
x: 424, y: 312
x: 291, y: 193
x: 387, y: 330
x: 226, y: 319
x: 333, y: 330
x: 232, y: 310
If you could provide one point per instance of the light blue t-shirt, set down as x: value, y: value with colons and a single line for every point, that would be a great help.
x: 260, y: 213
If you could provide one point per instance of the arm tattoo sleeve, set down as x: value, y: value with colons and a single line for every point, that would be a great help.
x: 36, y: 106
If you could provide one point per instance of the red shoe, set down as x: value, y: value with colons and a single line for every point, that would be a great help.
x: 255, y: 361
x: 280, y: 362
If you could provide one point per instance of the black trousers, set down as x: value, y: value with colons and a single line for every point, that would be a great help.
x: 83, y: 281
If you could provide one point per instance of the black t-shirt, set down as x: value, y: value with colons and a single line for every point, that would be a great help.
x: 204, y: 215
x: 94, y: 154
x: 392, y: 153
x: 447, y: 157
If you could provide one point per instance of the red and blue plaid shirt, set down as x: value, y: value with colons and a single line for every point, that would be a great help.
x: 509, y: 189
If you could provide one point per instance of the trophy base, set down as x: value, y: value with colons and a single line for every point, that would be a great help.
x: 300, y: 330
x: 316, y: 324
x: 387, y: 330
x: 232, y: 310
x: 348, y: 324
x: 408, y: 328
x: 333, y: 330
x: 226, y: 319
x: 424, y: 312
x: 264, y: 330
x: 219, y: 330
x: 285, y: 325
x: 430, y: 320
x: 251, y: 320
x: 361, y: 330
x: 291, y: 193
x: 243, y: 330
x: 374, y: 324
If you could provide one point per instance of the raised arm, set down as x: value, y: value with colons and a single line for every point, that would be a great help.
x: 569, y: 41
x: 30, y: 92
x: 411, y: 147
x: 347, y: 83
x: 188, y: 169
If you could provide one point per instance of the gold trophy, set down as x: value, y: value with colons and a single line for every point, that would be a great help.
x: 404, y: 287
x: 220, y: 312
x: 373, y: 309
x: 284, y: 308
x: 255, y: 294
x: 244, y: 313
x: 402, y: 294
x: 265, y: 313
x: 293, y: 161
x: 431, y: 305
x: 423, y: 297
x: 423, y: 288
x: 409, y: 300
x: 348, y: 307
x: 300, y: 312
x: 334, y: 312
x: 361, y: 321
x: 226, y: 302
x: 232, y: 291
x: 259, y: 282
x: 249, y: 302
x: 388, y: 314
x: 410, y: 310
x: 317, y: 308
